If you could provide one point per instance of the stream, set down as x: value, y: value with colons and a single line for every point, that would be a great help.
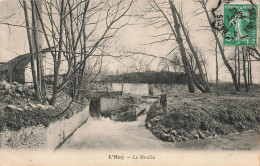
x: 104, y: 134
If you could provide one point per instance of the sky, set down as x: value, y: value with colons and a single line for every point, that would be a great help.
x: 131, y: 38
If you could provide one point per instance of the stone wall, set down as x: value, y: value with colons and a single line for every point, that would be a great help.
x: 116, y: 86
x: 109, y: 104
x: 106, y: 105
x: 128, y: 88
x: 136, y: 89
x: 144, y: 89
x: 173, y: 89
x: 40, y: 137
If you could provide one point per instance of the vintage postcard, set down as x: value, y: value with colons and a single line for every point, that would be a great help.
x: 129, y: 82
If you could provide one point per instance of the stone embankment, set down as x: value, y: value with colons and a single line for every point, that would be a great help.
x: 19, y: 97
x: 41, y: 137
x: 26, y: 123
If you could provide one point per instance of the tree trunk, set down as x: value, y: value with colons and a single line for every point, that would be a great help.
x: 182, y: 49
x: 244, y: 67
x: 250, y: 72
x: 248, y: 67
x: 238, y: 65
x: 38, y: 3
x: 35, y: 81
x: 197, y: 82
x: 205, y: 69
x: 222, y: 51
x: 216, y: 51
x: 36, y: 48
x: 235, y: 61
x: 204, y: 82
x: 57, y: 60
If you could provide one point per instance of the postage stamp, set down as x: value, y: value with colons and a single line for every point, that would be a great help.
x: 240, y: 25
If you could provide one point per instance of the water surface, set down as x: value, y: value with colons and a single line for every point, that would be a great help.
x: 106, y: 134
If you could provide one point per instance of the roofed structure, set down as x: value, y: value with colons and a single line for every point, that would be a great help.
x: 14, y: 70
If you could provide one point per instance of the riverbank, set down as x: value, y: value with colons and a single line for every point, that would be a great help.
x: 26, y: 123
x: 200, y: 116
x: 18, y: 108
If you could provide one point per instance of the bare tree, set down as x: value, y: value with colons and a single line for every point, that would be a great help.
x: 216, y: 52
x: 203, y: 4
x: 182, y: 48
x: 235, y: 60
x: 165, y: 65
x: 255, y: 53
x: 164, y: 14
x: 202, y: 84
x: 75, y: 31
x: 139, y: 65
x: 39, y: 41
x: 33, y: 49
x: 250, y: 70
x: 238, y: 65
x: 244, y: 52
x: 158, y: 16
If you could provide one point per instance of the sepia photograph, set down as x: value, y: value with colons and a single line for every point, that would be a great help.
x: 129, y: 82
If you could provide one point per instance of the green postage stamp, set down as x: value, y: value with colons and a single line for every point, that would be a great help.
x: 240, y: 25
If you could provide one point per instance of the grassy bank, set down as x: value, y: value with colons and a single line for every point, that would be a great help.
x: 193, y: 116
x: 19, y: 109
